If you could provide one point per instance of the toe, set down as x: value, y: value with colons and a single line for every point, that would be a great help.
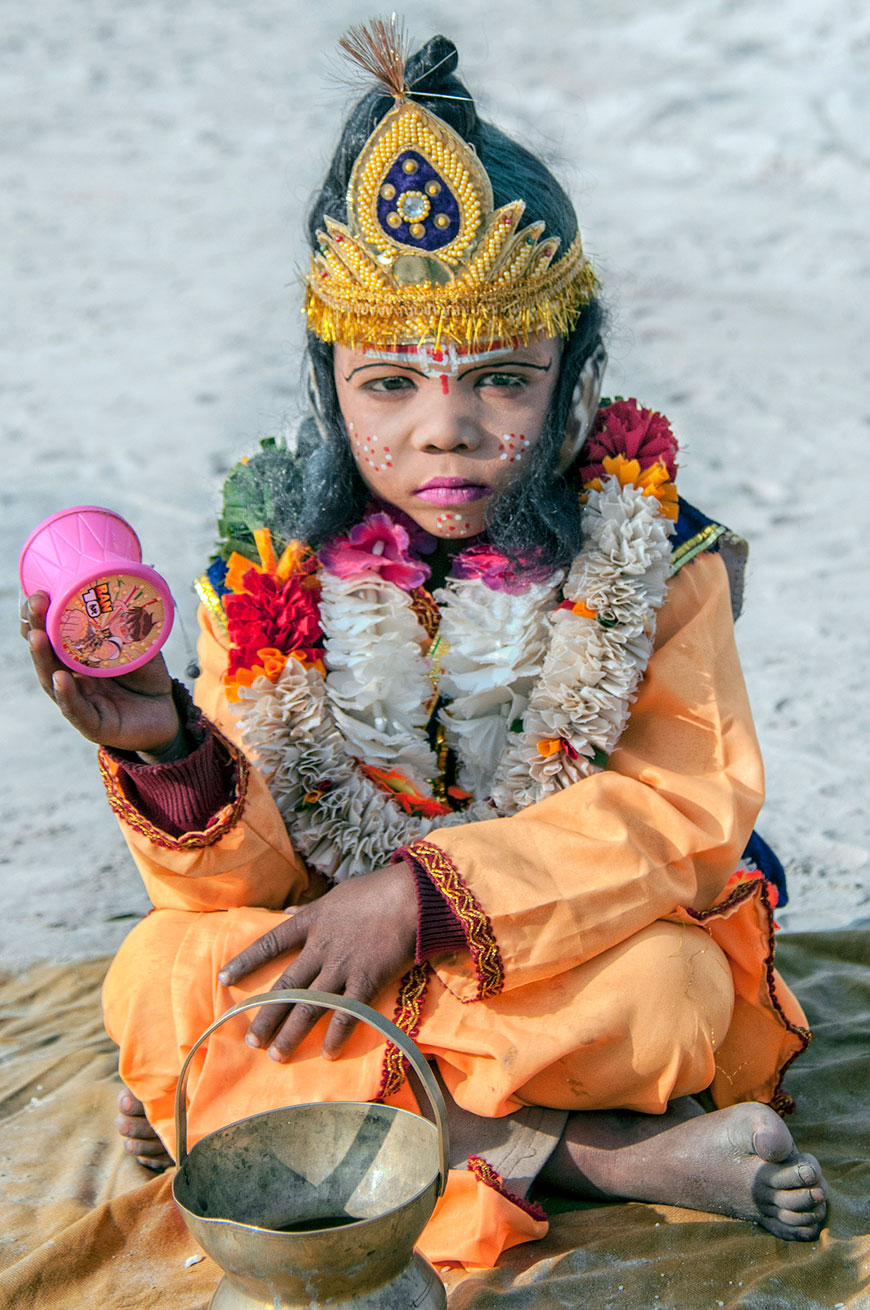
x: 156, y: 1166
x: 129, y: 1104
x: 771, y: 1140
x: 802, y: 1171
x: 153, y: 1149
x: 799, y: 1199
x: 797, y: 1218
x: 789, y: 1233
x: 138, y: 1128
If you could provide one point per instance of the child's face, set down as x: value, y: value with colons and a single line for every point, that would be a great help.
x: 436, y: 433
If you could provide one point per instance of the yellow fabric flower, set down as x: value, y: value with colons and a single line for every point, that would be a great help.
x: 652, y: 481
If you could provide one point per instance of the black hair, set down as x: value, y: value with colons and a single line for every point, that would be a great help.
x: 538, y: 515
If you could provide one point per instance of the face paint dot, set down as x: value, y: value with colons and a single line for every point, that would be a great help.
x: 445, y: 384
x: 503, y: 456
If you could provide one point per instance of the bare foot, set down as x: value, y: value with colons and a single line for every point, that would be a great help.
x: 141, y: 1139
x: 741, y: 1161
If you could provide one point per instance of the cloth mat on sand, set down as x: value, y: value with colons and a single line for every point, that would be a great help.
x: 80, y: 1228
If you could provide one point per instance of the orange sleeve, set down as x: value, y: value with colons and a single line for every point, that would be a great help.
x: 245, y: 856
x: 663, y: 826
x: 212, y: 650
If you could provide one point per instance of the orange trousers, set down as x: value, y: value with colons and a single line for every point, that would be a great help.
x: 635, y: 1027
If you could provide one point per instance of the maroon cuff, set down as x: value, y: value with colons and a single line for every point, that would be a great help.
x: 183, y: 795
x: 439, y: 929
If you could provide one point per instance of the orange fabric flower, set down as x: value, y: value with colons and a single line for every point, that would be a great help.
x: 294, y: 555
x: 263, y: 538
x: 404, y: 792
x: 652, y: 481
x: 238, y: 566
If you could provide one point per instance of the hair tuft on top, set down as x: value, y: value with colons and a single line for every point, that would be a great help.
x: 382, y: 49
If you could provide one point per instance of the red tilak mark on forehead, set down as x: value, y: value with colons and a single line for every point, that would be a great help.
x: 445, y: 384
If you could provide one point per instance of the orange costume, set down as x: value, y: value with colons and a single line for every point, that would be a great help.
x: 613, y: 959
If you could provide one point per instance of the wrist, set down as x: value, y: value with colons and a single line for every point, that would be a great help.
x: 176, y: 749
x: 402, y: 875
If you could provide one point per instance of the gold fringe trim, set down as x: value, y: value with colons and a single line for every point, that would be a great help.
x: 211, y: 600
x: 547, y: 305
x: 701, y: 541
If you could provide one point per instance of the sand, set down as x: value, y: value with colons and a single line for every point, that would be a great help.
x: 155, y: 163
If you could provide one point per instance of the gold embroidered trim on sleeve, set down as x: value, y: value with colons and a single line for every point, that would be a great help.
x: 223, y: 822
x: 476, y: 925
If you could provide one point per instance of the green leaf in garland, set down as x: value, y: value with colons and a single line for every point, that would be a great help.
x: 263, y: 492
x: 598, y: 758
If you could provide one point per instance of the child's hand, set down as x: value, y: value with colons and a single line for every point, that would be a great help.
x: 353, y: 941
x: 133, y: 712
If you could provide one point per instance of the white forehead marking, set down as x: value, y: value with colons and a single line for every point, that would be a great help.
x: 438, y: 361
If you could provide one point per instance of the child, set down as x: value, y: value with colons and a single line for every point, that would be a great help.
x: 464, y: 641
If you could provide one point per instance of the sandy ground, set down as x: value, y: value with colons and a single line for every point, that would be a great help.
x: 156, y: 158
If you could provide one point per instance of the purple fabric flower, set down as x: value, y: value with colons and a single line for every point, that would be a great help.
x: 498, y: 572
x: 422, y: 542
x: 377, y: 545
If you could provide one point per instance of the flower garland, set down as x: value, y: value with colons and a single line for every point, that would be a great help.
x: 536, y: 688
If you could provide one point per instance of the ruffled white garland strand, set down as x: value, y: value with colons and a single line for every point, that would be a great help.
x: 494, y: 645
x: 592, y: 671
x: 567, y: 676
x: 378, y: 683
x: 339, y: 820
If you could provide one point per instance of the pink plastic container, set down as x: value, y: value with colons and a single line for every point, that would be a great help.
x: 109, y: 612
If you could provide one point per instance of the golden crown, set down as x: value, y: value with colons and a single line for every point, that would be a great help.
x: 424, y: 256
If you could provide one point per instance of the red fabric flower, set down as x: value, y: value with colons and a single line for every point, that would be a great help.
x: 625, y: 429
x: 269, y: 613
x: 497, y: 571
x: 377, y: 545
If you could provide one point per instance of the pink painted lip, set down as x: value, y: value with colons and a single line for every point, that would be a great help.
x: 451, y: 491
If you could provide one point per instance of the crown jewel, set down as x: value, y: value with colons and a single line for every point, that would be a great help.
x: 423, y: 254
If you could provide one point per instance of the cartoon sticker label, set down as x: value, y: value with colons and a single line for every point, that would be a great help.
x: 111, y: 622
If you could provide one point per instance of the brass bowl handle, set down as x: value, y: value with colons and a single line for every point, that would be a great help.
x: 345, y: 1005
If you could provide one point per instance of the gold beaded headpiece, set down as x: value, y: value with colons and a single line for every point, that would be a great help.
x: 423, y: 256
